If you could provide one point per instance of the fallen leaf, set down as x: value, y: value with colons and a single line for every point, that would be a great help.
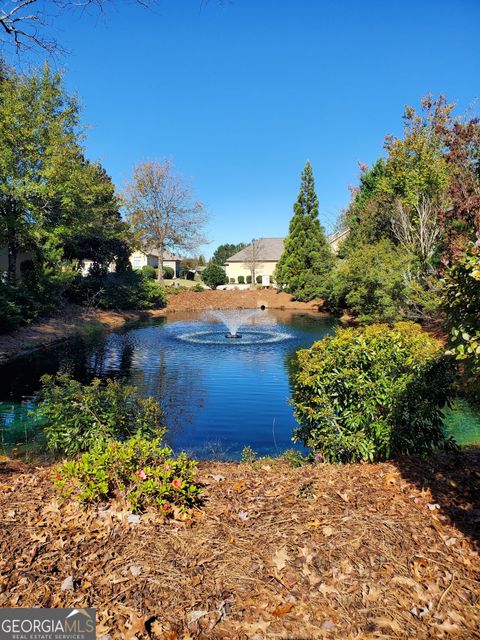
x: 243, y: 516
x: 280, y: 558
x: 133, y: 518
x: 327, y: 531
x: 67, y: 584
x: 283, y: 609
x: 328, y: 625
x: 193, y: 616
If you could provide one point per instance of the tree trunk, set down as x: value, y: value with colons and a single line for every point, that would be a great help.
x: 160, y: 267
x: 12, y: 257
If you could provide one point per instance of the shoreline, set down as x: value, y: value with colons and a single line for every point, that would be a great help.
x: 75, y: 320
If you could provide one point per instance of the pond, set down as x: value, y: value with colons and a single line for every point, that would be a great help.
x: 218, y: 394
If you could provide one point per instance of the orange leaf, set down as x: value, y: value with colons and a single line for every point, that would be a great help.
x: 283, y: 609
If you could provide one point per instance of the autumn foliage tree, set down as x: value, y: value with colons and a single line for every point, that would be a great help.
x: 163, y: 212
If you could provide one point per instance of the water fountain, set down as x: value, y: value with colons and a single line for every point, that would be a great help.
x: 233, y: 320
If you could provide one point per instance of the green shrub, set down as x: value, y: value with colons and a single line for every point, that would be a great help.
x: 294, y: 458
x: 198, y: 288
x: 168, y: 273
x: 248, y: 455
x: 76, y: 416
x: 370, y: 283
x: 249, y: 279
x: 214, y: 276
x: 141, y: 470
x: 372, y: 393
x: 241, y: 279
x: 232, y: 280
x: 258, y: 279
x: 461, y: 303
x: 36, y: 293
x: 149, y: 272
x: 128, y: 290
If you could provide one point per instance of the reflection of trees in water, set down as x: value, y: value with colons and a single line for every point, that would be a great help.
x: 178, y: 389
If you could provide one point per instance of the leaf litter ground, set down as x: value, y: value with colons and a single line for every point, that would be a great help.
x: 361, y: 551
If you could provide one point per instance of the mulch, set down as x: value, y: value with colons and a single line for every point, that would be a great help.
x: 363, y: 551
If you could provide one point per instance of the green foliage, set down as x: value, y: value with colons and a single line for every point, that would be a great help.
x: 372, y: 393
x: 461, y: 303
x: 248, y: 455
x: 241, y: 279
x: 258, y: 279
x: 232, y: 280
x: 140, y: 469
x: 54, y: 203
x: 168, y: 273
x: 37, y: 293
x: 129, y: 290
x: 214, y: 276
x: 370, y: 282
x: 76, y: 416
x: 249, y: 279
x: 368, y: 215
x: 149, y: 272
x: 225, y: 251
x: 294, y: 458
x: 415, y: 165
x: 198, y: 288
x: 307, y: 258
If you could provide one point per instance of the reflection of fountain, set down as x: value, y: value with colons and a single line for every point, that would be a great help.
x: 233, y: 320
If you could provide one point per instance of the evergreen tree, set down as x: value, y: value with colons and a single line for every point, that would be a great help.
x: 307, y: 258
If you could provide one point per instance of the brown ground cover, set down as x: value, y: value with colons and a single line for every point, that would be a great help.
x: 361, y: 551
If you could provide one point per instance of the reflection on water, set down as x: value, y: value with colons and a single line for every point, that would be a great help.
x: 218, y: 395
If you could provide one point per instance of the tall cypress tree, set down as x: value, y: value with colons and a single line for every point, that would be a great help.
x: 307, y: 258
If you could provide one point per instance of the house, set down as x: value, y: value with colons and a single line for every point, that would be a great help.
x: 140, y: 259
x: 264, y: 254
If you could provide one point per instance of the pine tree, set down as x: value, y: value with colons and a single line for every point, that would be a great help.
x: 307, y: 258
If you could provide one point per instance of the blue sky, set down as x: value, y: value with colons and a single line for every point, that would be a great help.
x: 240, y: 95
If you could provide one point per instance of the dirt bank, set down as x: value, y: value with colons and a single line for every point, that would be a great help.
x: 77, y: 320
x: 351, y: 552
x: 248, y: 299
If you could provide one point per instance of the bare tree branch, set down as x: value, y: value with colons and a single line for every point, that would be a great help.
x: 254, y: 251
x: 24, y: 24
x: 417, y: 231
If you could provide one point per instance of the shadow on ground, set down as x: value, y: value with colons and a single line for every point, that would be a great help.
x: 454, y: 483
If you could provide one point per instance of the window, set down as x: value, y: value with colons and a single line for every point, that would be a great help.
x: 137, y: 262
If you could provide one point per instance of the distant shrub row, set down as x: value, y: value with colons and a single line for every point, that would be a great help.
x: 248, y: 280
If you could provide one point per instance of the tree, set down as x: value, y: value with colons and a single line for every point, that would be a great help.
x: 214, y: 276
x: 40, y: 155
x: 23, y: 23
x: 100, y: 234
x: 253, y: 257
x: 162, y: 210
x: 307, y: 258
x: 225, y: 251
